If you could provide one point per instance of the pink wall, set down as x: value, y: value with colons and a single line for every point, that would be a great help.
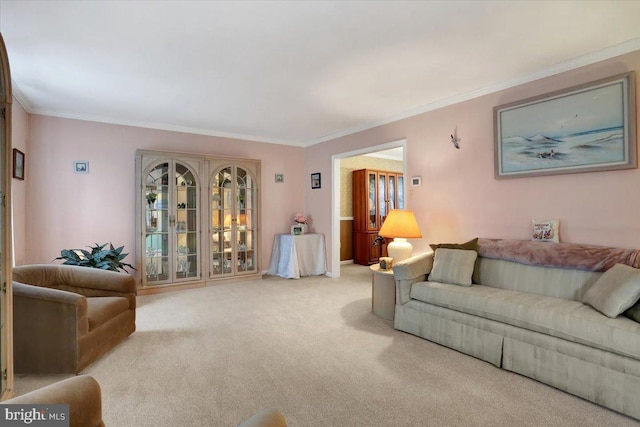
x: 20, y: 136
x: 460, y: 198
x: 67, y: 210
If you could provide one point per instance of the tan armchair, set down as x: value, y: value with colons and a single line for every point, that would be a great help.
x: 81, y: 393
x: 65, y: 317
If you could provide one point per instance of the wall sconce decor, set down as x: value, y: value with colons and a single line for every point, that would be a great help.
x: 455, y: 139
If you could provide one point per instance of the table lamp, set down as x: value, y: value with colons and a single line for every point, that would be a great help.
x: 401, y: 225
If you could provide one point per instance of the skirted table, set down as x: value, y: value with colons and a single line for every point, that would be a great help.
x: 296, y: 256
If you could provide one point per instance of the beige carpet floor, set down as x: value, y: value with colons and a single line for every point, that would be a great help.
x: 312, y: 349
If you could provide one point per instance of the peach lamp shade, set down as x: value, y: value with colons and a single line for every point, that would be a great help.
x: 401, y: 225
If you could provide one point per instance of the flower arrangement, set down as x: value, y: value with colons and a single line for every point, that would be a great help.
x: 300, y: 218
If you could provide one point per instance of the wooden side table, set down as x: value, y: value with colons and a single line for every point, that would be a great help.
x: 383, y: 292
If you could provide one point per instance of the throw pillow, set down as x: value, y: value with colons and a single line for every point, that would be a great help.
x: 615, y: 291
x: 454, y: 266
x: 547, y: 230
x: 633, y: 313
x: 471, y: 245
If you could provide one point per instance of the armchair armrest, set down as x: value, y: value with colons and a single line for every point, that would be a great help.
x: 49, y: 319
x: 81, y: 393
x: 409, y: 271
x: 53, y: 296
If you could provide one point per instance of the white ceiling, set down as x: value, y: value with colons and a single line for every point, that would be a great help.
x: 293, y: 72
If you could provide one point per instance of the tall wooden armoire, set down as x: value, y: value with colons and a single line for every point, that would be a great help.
x: 375, y: 193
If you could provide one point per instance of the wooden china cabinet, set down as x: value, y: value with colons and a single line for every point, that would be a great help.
x: 375, y: 193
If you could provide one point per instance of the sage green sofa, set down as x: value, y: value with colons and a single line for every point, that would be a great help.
x: 524, y: 313
x: 65, y: 317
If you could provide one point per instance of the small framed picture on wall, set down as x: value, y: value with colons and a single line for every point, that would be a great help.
x: 315, y: 181
x: 80, y: 166
x: 18, y: 164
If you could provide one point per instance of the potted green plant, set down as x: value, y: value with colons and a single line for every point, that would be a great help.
x: 99, y: 257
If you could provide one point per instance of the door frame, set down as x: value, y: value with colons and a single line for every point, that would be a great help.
x: 334, y: 270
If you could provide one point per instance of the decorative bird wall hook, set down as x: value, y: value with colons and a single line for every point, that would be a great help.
x: 455, y: 139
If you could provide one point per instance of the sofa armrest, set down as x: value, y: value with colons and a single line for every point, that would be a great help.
x: 47, y: 326
x: 415, y: 266
x: 81, y: 393
x: 90, y: 282
x: 409, y: 271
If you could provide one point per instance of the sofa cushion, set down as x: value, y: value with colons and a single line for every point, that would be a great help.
x: 615, y: 291
x: 453, y: 266
x: 471, y: 245
x: 102, y: 309
x: 569, y: 320
x: 633, y: 313
x: 550, y: 281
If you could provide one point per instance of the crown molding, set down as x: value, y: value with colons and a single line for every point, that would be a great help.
x: 162, y: 126
x: 581, y: 61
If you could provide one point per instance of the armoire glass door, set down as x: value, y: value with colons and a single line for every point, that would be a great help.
x: 392, y: 192
x: 382, y: 198
x: 156, y: 256
x: 186, y: 224
x: 233, y: 234
x: 171, y: 222
x: 400, y: 192
x: 373, y: 201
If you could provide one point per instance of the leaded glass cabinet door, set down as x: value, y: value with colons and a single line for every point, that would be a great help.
x: 157, y: 231
x: 187, y: 230
x: 171, y: 223
x: 382, y: 198
x: 246, y: 231
x: 373, y: 201
x: 392, y: 192
x: 400, y: 192
x: 234, y: 213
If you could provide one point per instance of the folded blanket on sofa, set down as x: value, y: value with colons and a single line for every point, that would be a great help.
x: 562, y: 255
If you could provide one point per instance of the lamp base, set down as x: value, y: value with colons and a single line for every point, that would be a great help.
x: 399, y: 249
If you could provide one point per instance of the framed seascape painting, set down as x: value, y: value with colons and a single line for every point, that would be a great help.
x: 585, y: 128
